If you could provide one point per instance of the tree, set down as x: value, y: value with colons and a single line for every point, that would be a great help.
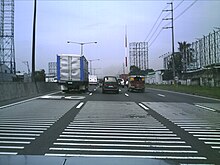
x: 134, y: 70
x: 186, y: 52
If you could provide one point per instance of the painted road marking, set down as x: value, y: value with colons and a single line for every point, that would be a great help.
x: 8, y: 153
x: 207, y: 108
x: 118, y: 137
x: 14, y: 142
x: 90, y: 94
x: 126, y: 94
x: 11, y: 147
x: 132, y: 156
x: 24, y: 101
x: 161, y: 95
x: 79, y: 105
x: 122, y: 150
x: 162, y: 141
x: 143, y: 106
x: 16, y: 138
x: 122, y: 145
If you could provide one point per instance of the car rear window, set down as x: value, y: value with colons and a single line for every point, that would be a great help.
x: 110, y: 79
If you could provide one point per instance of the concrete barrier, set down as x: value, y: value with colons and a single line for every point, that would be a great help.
x: 14, y: 90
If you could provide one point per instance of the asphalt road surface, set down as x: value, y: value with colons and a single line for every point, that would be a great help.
x: 155, y: 124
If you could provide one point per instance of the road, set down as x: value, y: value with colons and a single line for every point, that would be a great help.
x: 155, y: 124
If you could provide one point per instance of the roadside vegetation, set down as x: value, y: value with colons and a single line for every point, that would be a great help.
x: 213, y: 92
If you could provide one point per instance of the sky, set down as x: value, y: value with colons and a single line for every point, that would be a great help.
x: 104, y: 22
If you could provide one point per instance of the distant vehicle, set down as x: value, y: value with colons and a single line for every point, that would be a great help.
x: 121, y: 82
x: 72, y: 72
x: 93, y: 80
x: 136, y: 83
x: 110, y: 83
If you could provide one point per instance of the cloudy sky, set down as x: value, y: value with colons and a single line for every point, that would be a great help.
x: 59, y: 21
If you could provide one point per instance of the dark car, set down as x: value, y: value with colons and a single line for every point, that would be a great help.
x: 110, y: 83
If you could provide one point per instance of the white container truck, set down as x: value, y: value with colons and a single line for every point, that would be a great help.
x: 72, y: 72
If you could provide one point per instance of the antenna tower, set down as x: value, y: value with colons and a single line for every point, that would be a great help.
x: 7, y: 49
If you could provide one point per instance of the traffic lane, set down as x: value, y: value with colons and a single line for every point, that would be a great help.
x: 97, y: 95
x: 181, y: 97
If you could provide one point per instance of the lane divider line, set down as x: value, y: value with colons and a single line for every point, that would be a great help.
x: 80, y: 105
x: 207, y: 108
x: 161, y: 95
x: 143, y: 106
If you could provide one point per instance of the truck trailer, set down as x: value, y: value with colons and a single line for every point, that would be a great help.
x: 72, y: 72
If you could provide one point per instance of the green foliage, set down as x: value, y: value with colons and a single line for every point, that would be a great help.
x: 40, y: 75
x: 134, y: 70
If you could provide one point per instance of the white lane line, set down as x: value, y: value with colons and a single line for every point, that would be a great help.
x: 80, y: 105
x: 18, y: 138
x: 218, y: 143
x: 216, y: 147
x: 20, y: 131
x: 90, y: 94
x: 8, y: 153
x: 213, y: 136
x: 121, y: 145
x: 24, y: 101
x: 118, y: 131
x: 118, y: 137
x: 20, y: 128
x: 161, y: 95
x: 211, y: 139
x: 127, y: 95
x: 143, y: 106
x: 131, y: 156
x: 17, y: 134
x: 122, y: 150
x: 207, y: 133
x: 11, y: 147
x: 118, y: 134
x: 25, y: 126
x: 163, y: 141
x: 207, y: 108
x: 14, y: 142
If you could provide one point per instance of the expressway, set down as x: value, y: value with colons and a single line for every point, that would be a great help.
x: 155, y: 124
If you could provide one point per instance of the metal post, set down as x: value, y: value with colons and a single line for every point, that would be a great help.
x: 33, y: 41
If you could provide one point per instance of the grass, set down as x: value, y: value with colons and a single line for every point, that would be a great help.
x: 213, y: 92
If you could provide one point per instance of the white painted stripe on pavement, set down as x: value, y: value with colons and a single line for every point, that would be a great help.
x: 207, y: 108
x: 217, y: 143
x: 118, y: 137
x: 80, y: 105
x: 14, y: 142
x: 20, y: 128
x: 21, y: 131
x: 213, y: 139
x: 113, y: 128
x: 131, y: 156
x: 118, y: 134
x: 25, y: 126
x: 207, y: 136
x: 8, y: 153
x: 119, y: 131
x: 143, y: 106
x: 17, y: 138
x: 122, y: 145
x: 212, y: 133
x: 11, y: 147
x: 24, y: 101
x: 17, y: 134
x: 122, y: 150
x: 162, y: 141
x: 161, y: 95
x: 216, y: 147
x: 126, y: 94
x: 90, y: 94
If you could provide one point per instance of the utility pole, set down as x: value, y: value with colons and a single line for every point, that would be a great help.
x: 172, y: 27
x: 33, y: 41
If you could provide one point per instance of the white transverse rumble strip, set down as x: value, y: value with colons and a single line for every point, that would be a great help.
x: 120, y: 129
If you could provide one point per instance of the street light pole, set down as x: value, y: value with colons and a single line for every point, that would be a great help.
x: 81, y: 45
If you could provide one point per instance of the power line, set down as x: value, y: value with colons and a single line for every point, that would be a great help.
x: 186, y: 9
x: 155, y: 24
x: 169, y: 22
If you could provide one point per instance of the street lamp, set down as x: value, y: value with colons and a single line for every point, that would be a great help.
x: 90, y: 61
x: 82, y: 44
